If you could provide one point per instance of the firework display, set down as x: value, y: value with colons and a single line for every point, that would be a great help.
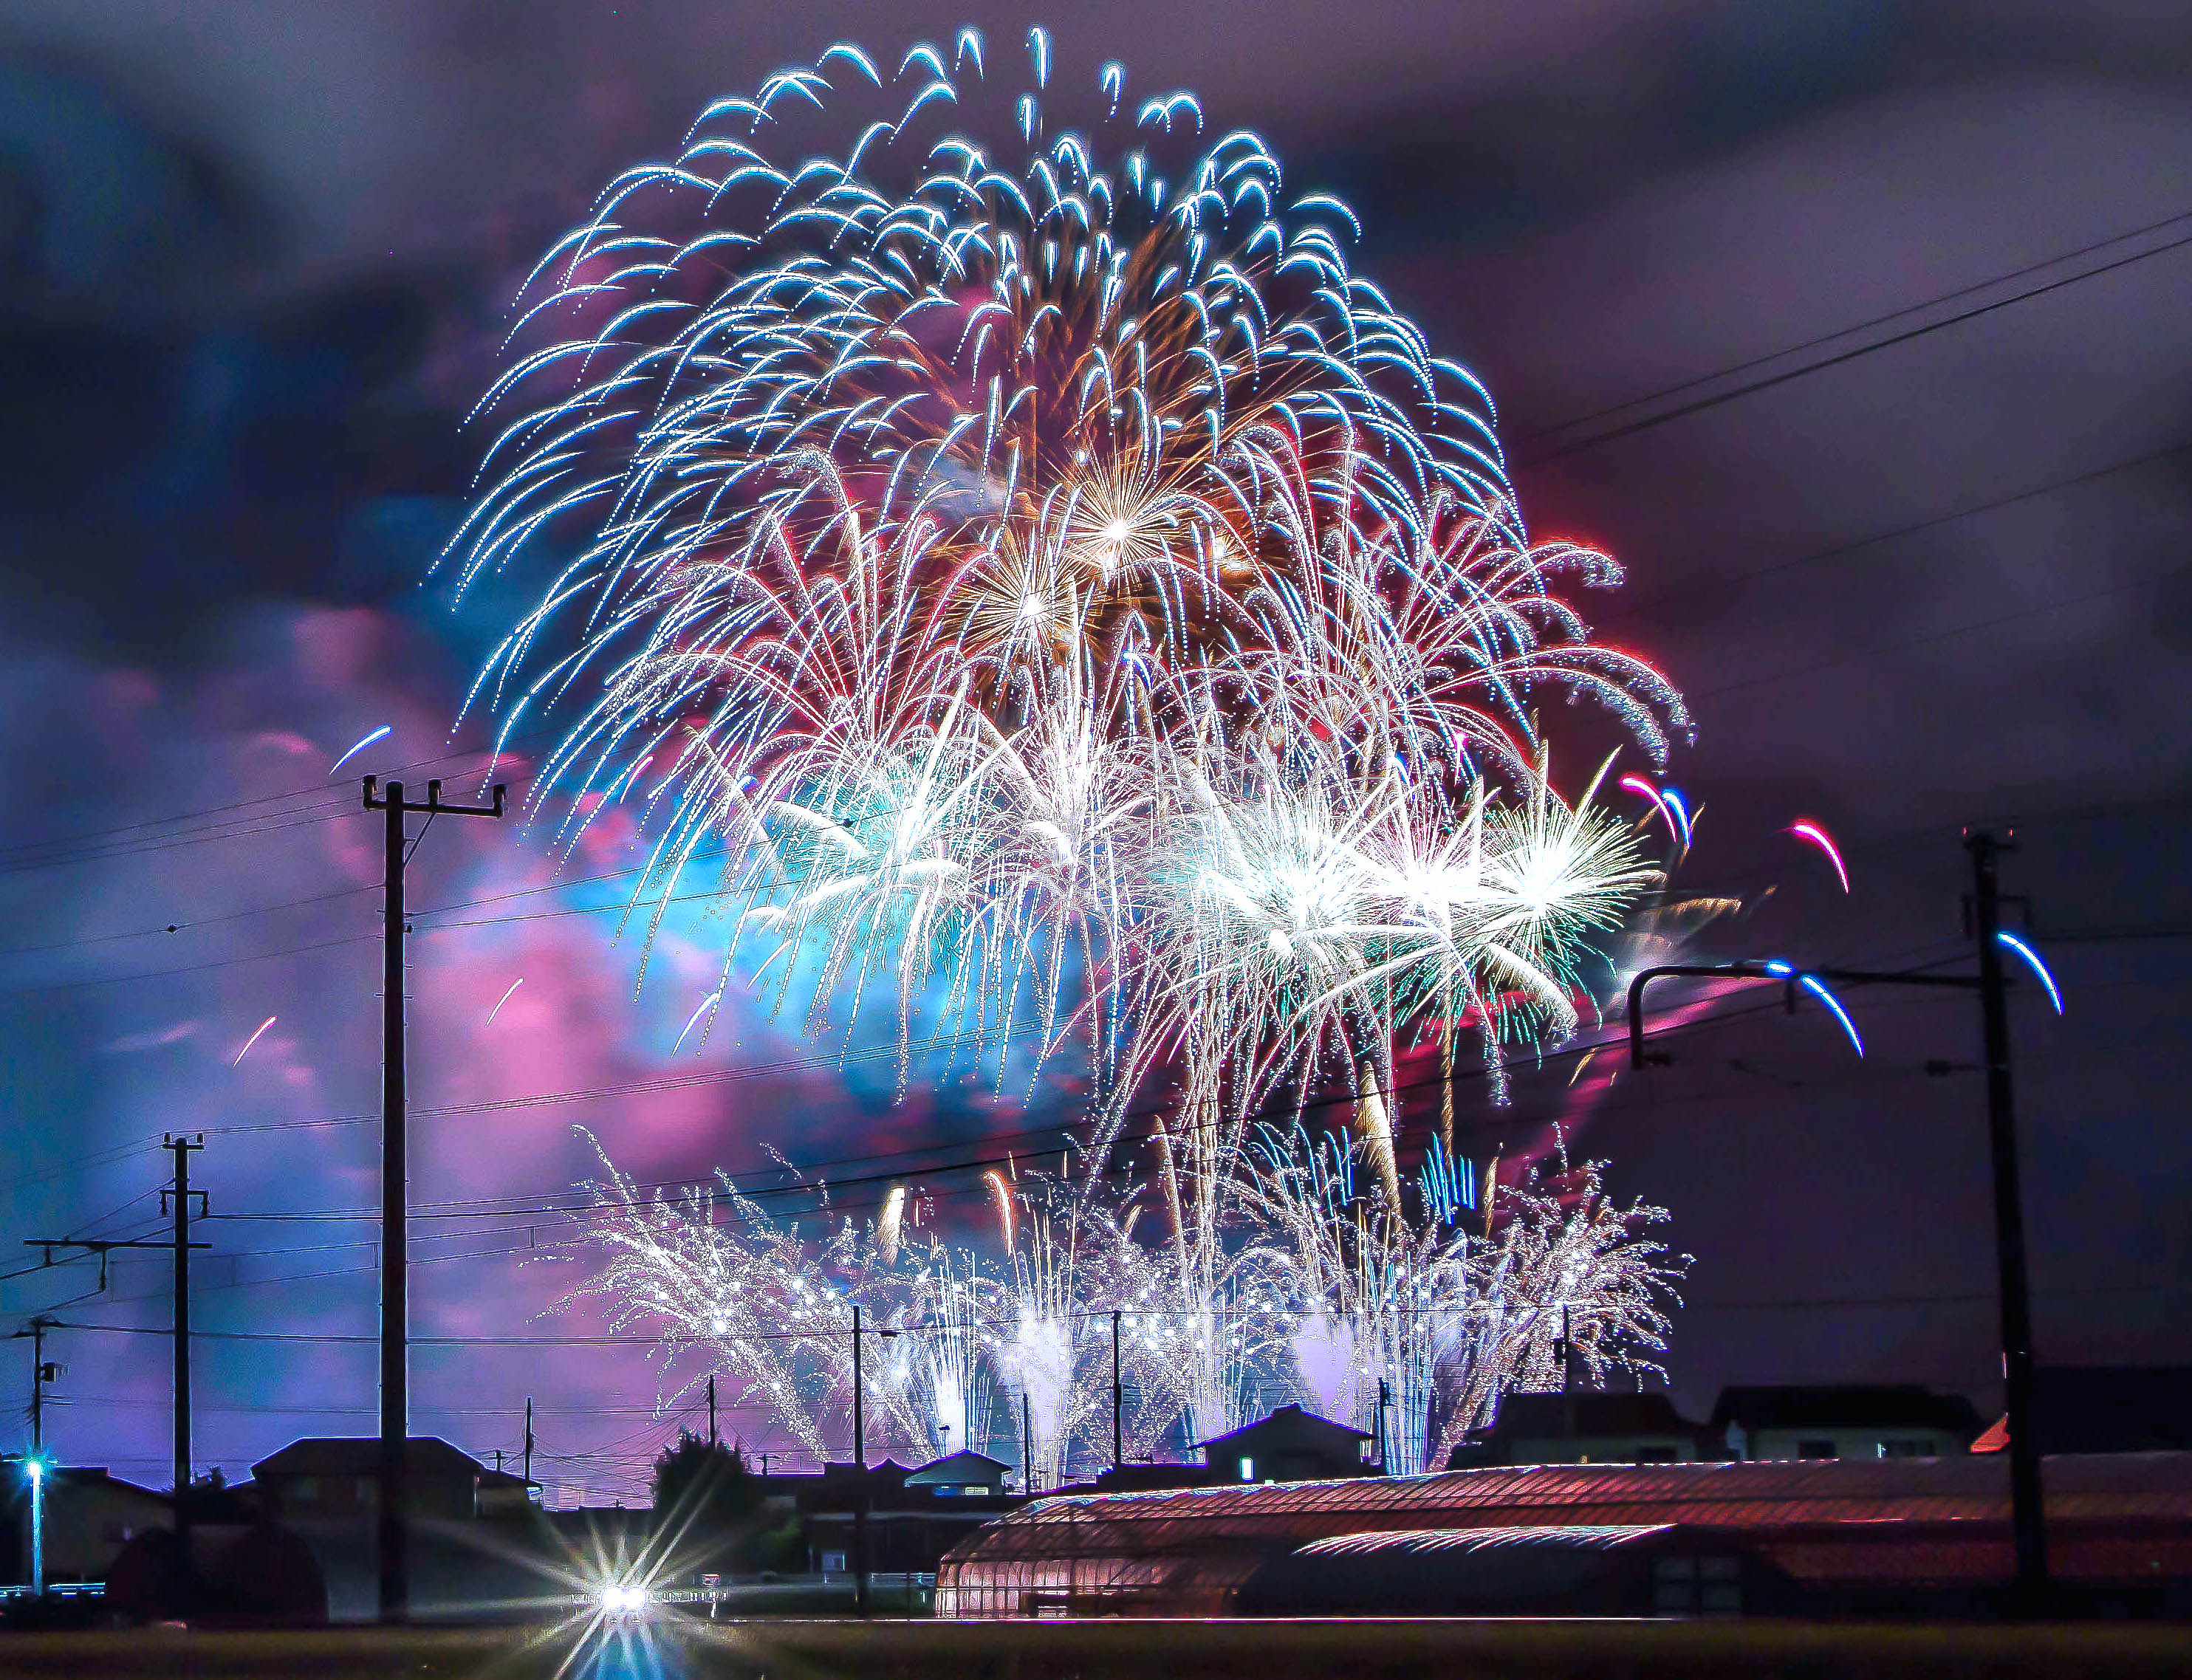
x: 1408, y: 1318
x: 1031, y: 583
x: 1021, y: 570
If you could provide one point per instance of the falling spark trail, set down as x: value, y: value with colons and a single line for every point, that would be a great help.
x: 1809, y: 830
x: 1638, y: 785
x: 252, y: 1039
x: 385, y: 729
x: 693, y: 1020
x: 1673, y: 798
x: 1811, y: 983
x: 504, y: 999
x: 2038, y: 967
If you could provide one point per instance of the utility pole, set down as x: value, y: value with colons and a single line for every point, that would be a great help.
x: 1564, y: 1346
x: 395, y: 1396
x: 42, y: 1371
x: 712, y: 1441
x: 1027, y: 1443
x: 184, y: 1149
x: 1384, y: 1429
x: 2027, y: 1516
x: 860, y: 1485
x: 2028, y: 1519
x: 529, y: 1442
x: 1118, y: 1396
x: 181, y: 1245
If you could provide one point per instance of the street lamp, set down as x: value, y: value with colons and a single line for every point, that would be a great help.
x: 2028, y: 1525
x: 34, y: 1469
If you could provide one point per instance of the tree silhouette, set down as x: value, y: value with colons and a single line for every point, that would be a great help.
x: 703, y: 1484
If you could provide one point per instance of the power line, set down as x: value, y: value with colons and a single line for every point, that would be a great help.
x: 189, y: 926
x: 1906, y: 310
x: 537, y: 1204
x: 1629, y: 428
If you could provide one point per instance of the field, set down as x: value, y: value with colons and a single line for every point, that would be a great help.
x: 1124, y: 1650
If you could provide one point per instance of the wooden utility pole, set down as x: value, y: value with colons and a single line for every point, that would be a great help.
x: 41, y: 1373
x: 1118, y: 1399
x: 181, y: 1245
x: 184, y: 1149
x: 860, y: 1485
x: 2027, y: 1521
x: 2028, y: 1518
x: 394, y: 1395
x: 714, y: 1441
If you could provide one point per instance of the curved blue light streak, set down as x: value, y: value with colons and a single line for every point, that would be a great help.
x: 2039, y: 968
x: 1779, y: 969
x: 1812, y: 983
x: 1673, y: 797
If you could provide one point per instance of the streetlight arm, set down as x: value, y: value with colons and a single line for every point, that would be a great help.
x: 1784, y: 972
x: 1699, y: 971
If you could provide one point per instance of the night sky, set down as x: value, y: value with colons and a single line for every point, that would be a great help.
x: 255, y: 262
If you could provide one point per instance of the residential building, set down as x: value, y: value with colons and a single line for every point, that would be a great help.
x: 910, y: 1524
x: 500, y: 1494
x: 1587, y: 1426
x: 967, y: 1475
x: 1289, y: 1445
x: 323, y: 1478
x: 1843, y: 1421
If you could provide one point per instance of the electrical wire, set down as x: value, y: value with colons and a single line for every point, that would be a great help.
x: 1629, y: 428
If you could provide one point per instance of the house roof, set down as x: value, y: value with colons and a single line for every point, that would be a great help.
x: 1589, y: 1413
x: 1196, y: 1553
x: 503, y: 1479
x: 1844, y: 1405
x: 963, y: 1466
x: 882, y: 1470
x: 1747, y: 1495
x: 1291, y: 1421
x: 360, y: 1455
x: 98, y: 1475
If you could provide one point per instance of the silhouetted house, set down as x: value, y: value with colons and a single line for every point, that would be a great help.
x: 911, y: 1524
x: 1586, y: 1427
x: 500, y: 1494
x: 327, y: 1478
x: 965, y: 1474
x: 1290, y: 1445
x: 89, y: 1516
x: 327, y: 1489
x: 2105, y: 1409
x: 1135, y: 1478
x: 1843, y: 1421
